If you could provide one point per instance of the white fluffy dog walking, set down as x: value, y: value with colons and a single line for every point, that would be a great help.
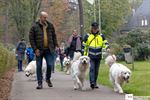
x: 67, y: 64
x: 30, y: 70
x: 57, y: 62
x: 118, y: 73
x: 78, y: 71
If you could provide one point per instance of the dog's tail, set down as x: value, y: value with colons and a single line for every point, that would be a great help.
x: 77, y: 55
x: 110, y: 59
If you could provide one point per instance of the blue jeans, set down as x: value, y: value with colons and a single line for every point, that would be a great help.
x: 53, y: 67
x: 94, y: 69
x: 49, y: 57
x: 19, y: 65
x: 61, y: 62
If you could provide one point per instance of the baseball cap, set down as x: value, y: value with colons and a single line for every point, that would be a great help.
x: 94, y: 24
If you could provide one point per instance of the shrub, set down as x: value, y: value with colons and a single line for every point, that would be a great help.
x: 7, y: 59
x: 139, y: 41
x: 117, y: 50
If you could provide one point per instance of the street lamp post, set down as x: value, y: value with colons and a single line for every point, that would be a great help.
x: 99, y: 13
x: 81, y: 18
x: 94, y: 9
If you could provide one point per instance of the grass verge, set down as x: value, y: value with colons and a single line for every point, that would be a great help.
x: 139, y: 84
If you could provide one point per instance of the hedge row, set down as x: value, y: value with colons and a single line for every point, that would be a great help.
x: 7, y: 59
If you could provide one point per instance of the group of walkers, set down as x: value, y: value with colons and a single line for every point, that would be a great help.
x: 43, y: 41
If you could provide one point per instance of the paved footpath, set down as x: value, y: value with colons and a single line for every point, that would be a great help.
x: 25, y: 89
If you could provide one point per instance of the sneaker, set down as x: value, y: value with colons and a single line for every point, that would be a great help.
x: 96, y: 87
x: 49, y: 83
x: 92, y: 86
x: 20, y: 70
x: 39, y: 86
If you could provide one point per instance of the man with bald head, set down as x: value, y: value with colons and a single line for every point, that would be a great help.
x: 43, y: 40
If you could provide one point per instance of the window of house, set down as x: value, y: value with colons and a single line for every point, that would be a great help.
x: 144, y: 22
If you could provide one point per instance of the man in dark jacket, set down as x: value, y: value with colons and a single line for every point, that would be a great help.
x: 43, y: 41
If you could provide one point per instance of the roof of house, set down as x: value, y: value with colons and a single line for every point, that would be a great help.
x: 142, y: 13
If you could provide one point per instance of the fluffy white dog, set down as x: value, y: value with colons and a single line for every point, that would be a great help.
x: 57, y: 62
x: 67, y: 64
x: 30, y: 70
x: 78, y: 71
x: 118, y: 73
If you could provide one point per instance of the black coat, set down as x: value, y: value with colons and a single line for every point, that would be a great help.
x: 20, y: 50
x: 36, y: 37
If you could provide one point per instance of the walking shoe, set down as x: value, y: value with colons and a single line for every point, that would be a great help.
x: 96, y: 87
x: 92, y: 86
x: 49, y: 83
x: 20, y: 70
x: 40, y: 86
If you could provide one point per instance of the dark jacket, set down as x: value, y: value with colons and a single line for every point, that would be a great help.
x: 20, y: 50
x: 36, y: 37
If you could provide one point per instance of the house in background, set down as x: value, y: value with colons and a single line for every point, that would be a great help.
x: 139, y: 19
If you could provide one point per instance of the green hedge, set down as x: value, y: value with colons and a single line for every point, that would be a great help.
x: 7, y: 59
x: 139, y: 40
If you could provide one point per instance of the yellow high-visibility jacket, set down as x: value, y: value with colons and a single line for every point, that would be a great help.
x: 93, y: 45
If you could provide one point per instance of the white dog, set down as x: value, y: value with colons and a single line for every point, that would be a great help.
x: 67, y: 64
x: 118, y: 73
x: 57, y: 62
x: 78, y: 71
x: 30, y: 70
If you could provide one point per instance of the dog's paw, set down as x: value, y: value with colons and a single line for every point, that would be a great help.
x: 116, y: 90
x: 120, y: 91
x: 83, y: 89
x: 68, y: 73
x: 75, y: 88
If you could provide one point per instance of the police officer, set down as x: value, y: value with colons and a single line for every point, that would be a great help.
x: 93, y: 44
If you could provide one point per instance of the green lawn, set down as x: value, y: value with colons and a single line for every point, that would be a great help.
x: 139, y: 83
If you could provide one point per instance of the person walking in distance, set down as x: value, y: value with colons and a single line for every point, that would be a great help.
x: 43, y: 40
x: 73, y: 44
x: 20, y: 53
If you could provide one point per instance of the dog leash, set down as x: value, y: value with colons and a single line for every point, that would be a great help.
x: 113, y: 57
